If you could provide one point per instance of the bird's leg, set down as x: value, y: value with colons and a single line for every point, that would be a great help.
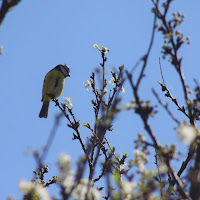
x: 56, y: 101
x: 51, y: 96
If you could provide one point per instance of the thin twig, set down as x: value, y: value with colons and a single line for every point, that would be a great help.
x: 5, y: 7
x: 40, y: 158
x: 165, y: 106
x: 74, y: 125
x: 161, y: 72
x: 146, y: 125
x: 178, y: 183
x: 194, y: 188
x: 145, y: 58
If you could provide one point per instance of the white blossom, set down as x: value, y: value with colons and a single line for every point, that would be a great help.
x: 25, y: 186
x: 140, y: 160
x: 67, y: 179
x: 87, y: 85
x: 141, y: 137
x: 138, y: 153
x: 38, y: 189
x: 64, y: 160
x: 141, y: 166
x: 128, y: 187
x: 186, y: 133
x: 112, y: 81
x: 82, y: 189
x: 66, y: 176
x: 123, y: 89
x: 129, y: 106
x: 42, y: 192
x: 105, y: 49
x: 95, y: 46
x: 68, y: 100
x: 162, y: 168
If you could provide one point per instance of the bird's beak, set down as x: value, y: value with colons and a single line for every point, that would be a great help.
x: 69, y: 75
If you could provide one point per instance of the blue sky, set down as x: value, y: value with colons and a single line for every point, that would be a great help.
x: 38, y: 35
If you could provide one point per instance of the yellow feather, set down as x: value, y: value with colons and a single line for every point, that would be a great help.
x: 52, y: 89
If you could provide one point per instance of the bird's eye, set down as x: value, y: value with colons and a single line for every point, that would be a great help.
x: 65, y: 70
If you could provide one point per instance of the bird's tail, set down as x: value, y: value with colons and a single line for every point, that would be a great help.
x: 44, y: 110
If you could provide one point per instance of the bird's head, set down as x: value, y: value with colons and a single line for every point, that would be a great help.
x: 64, y: 69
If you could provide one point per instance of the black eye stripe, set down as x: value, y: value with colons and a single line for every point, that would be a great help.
x: 64, y: 69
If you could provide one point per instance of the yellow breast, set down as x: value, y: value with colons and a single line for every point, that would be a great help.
x: 53, y: 85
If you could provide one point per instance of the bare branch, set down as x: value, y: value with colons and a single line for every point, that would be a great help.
x: 6, y: 6
x: 166, y: 107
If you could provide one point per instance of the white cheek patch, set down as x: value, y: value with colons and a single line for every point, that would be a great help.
x: 65, y: 70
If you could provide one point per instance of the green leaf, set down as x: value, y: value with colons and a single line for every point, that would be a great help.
x: 84, y: 124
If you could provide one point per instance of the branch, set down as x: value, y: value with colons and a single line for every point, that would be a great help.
x: 145, y: 58
x: 144, y: 118
x: 194, y: 189
x: 173, y: 41
x: 136, y: 86
x: 5, y: 7
x: 40, y: 158
x: 165, y: 106
x: 74, y: 125
x: 178, y: 183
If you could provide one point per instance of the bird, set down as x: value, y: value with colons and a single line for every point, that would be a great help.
x: 53, y: 86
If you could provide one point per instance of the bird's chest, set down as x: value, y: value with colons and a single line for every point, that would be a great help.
x: 58, y: 87
x: 53, y: 85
